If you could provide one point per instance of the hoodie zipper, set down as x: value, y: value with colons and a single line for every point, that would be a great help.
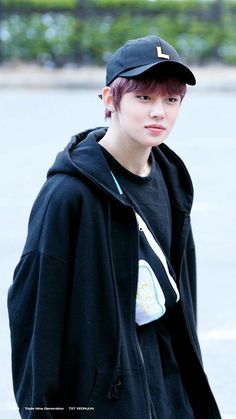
x: 148, y: 397
x: 145, y: 380
x: 136, y: 338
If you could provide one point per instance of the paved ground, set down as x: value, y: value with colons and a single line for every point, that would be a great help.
x: 36, y: 123
x: 209, y: 78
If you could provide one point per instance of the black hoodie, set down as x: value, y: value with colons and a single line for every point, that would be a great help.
x: 75, y: 351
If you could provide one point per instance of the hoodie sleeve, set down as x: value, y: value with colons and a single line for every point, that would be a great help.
x: 38, y: 303
x: 37, y: 309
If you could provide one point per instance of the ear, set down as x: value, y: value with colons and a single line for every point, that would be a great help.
x: 107, y: 98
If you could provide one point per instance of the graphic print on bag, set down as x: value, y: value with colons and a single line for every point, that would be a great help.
x: 157, y: 289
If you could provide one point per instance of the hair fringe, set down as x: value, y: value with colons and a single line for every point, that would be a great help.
x: 122, y: 85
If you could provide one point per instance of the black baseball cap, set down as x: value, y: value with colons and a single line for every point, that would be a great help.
x: 149, y: 53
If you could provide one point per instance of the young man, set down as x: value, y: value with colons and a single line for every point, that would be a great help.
x: 103, y: 304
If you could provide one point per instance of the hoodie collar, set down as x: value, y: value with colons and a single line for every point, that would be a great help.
x: 176, y: 176
x: 84, y: 157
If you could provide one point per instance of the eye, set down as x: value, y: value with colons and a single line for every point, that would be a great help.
x: 173, y: 99
x: 143, y: 98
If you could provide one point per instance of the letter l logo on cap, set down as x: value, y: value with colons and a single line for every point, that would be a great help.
x: 161, y: 55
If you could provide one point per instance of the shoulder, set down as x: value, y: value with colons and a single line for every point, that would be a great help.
x: 61, y: 190
x: 58, y: 203
x: 55, y: 217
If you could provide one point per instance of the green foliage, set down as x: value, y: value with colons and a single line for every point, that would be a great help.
x: 40, y: 37
x: 227, y: 46
x: 156, y: 5
x: 201, y: 31
x: 37, y: 4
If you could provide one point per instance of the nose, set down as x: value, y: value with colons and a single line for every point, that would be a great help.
x: 157, y: 110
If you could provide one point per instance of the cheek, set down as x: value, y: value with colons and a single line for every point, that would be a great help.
x: 173, y: 115
x: 129, y: 117
x: 136, y: 114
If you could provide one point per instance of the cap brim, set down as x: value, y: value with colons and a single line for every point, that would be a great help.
x: 171, y: 67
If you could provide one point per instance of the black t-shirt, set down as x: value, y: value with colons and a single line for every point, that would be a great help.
x: 149, y: 197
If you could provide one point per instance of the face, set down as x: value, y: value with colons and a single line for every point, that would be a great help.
x: 146, y: 120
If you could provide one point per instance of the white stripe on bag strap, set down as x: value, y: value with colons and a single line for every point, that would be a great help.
x: 157, y: 250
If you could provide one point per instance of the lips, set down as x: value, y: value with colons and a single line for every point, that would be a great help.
x: 155, y: 129
x: 154, y: 126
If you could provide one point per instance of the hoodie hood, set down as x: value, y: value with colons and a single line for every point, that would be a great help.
x: 83, y: 157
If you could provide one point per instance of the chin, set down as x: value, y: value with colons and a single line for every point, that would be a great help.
x: 157, y: 142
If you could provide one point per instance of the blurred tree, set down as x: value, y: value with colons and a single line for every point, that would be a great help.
x: 87, y: 31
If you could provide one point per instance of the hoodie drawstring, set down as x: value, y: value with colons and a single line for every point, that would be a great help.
x: 115, y: 385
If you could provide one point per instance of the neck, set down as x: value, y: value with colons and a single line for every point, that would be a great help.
x: 134, y: 158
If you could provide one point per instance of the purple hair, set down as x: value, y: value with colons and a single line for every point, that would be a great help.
x: 122, y: 85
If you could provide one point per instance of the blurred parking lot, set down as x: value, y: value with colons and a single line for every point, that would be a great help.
x: 36, y: 123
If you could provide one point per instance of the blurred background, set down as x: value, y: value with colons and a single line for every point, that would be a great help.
x: 52, y: 59
x: 63, y: 32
